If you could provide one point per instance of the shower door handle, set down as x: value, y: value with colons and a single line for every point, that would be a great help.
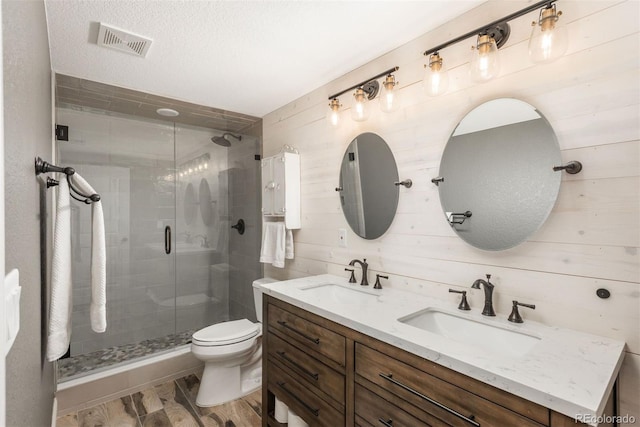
x: 167, y: 239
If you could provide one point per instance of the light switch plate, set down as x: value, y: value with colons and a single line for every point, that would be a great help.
x: 342, y: 237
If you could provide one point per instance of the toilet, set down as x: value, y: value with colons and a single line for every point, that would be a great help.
x: 232, y: 356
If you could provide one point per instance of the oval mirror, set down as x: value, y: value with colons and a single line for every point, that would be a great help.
x: 368, y: 195
x: 189, y: 204
x: 206, y: 208
x: 498, y: 183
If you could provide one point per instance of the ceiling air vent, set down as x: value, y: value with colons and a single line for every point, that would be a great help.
x: 123, y: 41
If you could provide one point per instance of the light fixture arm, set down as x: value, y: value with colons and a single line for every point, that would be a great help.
x: 493, y: 25
x: 361, y: 84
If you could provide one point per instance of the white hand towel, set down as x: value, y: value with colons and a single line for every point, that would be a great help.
x: 273, y: 243
x: 98, y: 306
x: 289, y: 245
x: 60, y: 311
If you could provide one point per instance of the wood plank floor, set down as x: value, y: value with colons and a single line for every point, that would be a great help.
x: 171, y: 404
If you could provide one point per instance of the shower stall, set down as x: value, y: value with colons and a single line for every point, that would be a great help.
x: 170, y: 194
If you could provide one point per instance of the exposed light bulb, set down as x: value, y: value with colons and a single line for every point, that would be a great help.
x: 389, y: 95
x: 333, y: 116
x: 436, y: 78
x: 485, y: 62
x: 360, y: 110
x: 549, y: 40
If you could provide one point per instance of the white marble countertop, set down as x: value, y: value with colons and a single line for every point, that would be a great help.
x: 567, y: 371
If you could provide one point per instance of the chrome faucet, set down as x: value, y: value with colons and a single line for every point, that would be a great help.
x: 488, y: 295
x: 365, y: 266
x: 205, y: 241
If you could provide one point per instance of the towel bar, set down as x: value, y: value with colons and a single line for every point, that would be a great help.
x: 46, y: 167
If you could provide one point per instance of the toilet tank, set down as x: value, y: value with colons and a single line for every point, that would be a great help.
x: 257, y: 294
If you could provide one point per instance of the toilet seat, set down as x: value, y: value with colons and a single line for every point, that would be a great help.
x: 226, y: 333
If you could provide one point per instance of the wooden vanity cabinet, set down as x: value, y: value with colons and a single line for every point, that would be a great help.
x: 305, y: 364
x: 433, y: 394
x: 333, y: 376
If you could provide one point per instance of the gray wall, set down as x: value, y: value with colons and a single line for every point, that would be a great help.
x: 27, y: 116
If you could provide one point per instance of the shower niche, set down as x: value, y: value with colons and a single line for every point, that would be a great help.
x: 164, y: 183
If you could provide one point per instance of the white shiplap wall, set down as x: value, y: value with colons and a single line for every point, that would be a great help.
x: 591, y: 239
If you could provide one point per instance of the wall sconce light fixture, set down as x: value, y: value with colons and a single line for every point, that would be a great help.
x: 485, y: 59
x: 436, y: 78
x: 194, y: 166
x: 360, y: 110
x: 334, y: 112
x: 548, y: 42
x: 364, y: 92
x: 388, y: 94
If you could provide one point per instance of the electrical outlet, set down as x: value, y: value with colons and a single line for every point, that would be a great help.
x: 342, y: 237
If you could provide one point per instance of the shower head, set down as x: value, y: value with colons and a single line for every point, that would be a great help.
x: 223, y: 140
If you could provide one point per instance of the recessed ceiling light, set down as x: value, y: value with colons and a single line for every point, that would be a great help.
x: 167, y: 112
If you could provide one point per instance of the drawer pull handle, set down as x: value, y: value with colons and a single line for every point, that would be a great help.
x: 297, y: 365
x: 300, y: 401
x: 302, y: 334
x: 428, y: 399
x: 387, y: 423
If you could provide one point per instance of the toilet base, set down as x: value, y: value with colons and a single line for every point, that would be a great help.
x: 220, y: 385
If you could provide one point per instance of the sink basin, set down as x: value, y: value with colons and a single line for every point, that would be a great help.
x: 341, y: 294
x: 490, y: 338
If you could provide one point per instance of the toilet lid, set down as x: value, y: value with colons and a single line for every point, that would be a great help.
x: 227, y: 332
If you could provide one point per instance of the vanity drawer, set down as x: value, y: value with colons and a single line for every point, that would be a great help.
x: 376, y: 411
x: 310, y: 370
x: 307, y: 333
x: 297, y: 396
x: 449, y: 403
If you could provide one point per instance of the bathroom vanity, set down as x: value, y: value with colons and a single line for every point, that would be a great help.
x: 341, y: 355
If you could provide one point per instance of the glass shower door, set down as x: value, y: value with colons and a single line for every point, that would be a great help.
x: 202, y: 222
x: 130, y: 163
x: 215, y: 265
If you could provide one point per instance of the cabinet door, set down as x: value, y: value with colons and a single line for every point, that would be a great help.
x: 267, y: 186
x: 279, y: 183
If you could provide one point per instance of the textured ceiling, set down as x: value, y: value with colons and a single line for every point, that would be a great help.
x: 250, y: 57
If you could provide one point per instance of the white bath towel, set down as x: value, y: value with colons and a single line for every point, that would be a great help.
x: 59, y: 331
x: 273, y: 248
x: 98, y: 306
x: 289, y: 245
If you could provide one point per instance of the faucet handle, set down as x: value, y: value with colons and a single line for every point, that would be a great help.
x: 464, y: 304
x: 377, y: 285
x: 515, y: 314
x: 352, y: 279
